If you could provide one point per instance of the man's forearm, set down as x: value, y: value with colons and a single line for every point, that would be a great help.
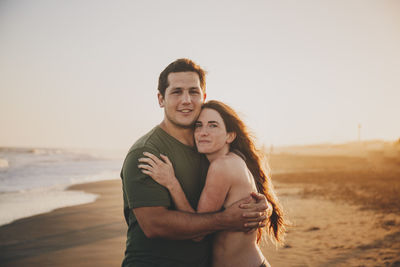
x: 177, y: 225
x: 159, y: 222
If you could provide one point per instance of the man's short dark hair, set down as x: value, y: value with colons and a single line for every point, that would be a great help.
x: 181, y: 65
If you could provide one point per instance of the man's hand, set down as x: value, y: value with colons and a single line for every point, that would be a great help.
x: 248, y: 214
x: 259, y: 205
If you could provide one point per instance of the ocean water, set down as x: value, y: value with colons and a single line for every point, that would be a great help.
x: 33, y: 181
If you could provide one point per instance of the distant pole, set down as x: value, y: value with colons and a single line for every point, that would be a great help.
x: 359, y: 132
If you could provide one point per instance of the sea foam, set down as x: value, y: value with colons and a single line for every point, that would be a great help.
x: 17, y: 205
x: 3, y: 163
x: 33, y: 180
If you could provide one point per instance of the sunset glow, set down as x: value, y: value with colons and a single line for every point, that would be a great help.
x: 84, y: 74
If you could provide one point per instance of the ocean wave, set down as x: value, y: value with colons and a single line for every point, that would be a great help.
x: 46, y: 151
x: 38, y: 151
x: 17, y: 205
x: 4, y: 163
x: 76, y: 154
x: 30, y: 150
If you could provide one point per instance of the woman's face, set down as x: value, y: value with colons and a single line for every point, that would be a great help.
x: 210, y: 132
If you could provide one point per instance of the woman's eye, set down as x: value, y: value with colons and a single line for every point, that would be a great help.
x: 213, y: 125
x: 197, y: 125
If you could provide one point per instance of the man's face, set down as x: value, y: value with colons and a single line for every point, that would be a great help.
x: 183, y: 99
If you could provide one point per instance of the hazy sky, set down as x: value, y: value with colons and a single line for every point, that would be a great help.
x: 84, y: 73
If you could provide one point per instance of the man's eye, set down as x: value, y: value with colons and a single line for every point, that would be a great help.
x: 195, y: 92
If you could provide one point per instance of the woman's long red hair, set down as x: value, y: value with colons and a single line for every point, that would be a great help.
x: 254, y: 159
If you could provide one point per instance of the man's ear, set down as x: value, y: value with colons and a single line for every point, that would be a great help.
x: 160, y: 100
x: 231, y: 137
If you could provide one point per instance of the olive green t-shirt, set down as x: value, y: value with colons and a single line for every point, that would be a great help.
x: 140, y: 190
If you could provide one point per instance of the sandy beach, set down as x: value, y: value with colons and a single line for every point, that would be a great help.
x: 344, y: 212
x: 86, y: 235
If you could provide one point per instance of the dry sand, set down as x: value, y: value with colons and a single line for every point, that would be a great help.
x: 325, y: 233
x: 344, y: 210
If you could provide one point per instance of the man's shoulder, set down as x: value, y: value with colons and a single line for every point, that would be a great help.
x: 150, y: 140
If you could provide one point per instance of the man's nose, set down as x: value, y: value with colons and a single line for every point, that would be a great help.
x: 186, y: 97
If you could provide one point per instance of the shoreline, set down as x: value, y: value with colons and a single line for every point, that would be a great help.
x: 55, y: 197
x: 81, y: 235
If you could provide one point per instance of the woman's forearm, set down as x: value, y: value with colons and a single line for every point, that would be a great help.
x: 179, y: 197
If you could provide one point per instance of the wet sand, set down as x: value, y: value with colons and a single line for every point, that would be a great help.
x: 344, y: 211
x: 86, y: 235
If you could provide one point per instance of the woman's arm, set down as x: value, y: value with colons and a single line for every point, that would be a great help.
x: 214, y: 192
x: 163, y: 173
x: 216, y: 189
x: 219, y: 179
x: 179, y: 197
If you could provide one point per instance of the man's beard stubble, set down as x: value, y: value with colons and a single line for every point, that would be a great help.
x: 179, y: 125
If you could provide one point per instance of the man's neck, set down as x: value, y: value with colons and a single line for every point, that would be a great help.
x: 183, y: 135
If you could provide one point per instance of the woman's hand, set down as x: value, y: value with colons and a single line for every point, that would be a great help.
x: 161, y: 171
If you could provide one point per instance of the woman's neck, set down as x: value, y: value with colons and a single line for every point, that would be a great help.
x: 217, y: 154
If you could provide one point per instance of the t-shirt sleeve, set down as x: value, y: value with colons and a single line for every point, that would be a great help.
x: 140, y: 189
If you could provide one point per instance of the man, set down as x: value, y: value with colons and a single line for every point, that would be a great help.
x: 159, y: 235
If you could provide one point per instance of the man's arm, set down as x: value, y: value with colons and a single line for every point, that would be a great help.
x: 213, y: 195
x: 150, y: 201
x: 160, y: 222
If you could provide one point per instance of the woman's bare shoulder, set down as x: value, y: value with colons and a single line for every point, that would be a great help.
x: 230, y: 166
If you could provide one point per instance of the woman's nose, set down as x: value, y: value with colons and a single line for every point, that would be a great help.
x: 203, y: 131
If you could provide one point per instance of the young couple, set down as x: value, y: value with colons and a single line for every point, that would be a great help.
x: 184, y: 208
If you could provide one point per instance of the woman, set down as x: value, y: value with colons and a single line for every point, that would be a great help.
x: 235, y: 170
